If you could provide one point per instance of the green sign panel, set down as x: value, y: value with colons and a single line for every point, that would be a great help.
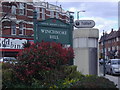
x: 53, y: 30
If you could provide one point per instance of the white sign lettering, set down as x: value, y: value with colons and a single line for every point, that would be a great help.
x: 84, y: 23
x: 9, y: 43
x: 54, y: 37
x: 53, y: 32
x: 53, y: 24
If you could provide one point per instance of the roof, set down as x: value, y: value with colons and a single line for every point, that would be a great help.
x: 111, y: 35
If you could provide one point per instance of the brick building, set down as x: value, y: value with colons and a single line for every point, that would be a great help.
x: 16, y: 22
x: 112, y: 45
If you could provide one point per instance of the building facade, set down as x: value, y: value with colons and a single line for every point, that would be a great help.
x: 112, y: 45
x: 16, y: 22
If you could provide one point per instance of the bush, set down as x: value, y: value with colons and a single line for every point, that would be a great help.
x: 91, y: 81
x: 41, y: 59
x: 71, y: 72
x: 45, y: 65
x: 6, y: 66
x: 7, y: 75
x: 64, y: 77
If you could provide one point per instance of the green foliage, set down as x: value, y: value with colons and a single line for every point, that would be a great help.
x: 38, y: 60
x: 62, y: 78
x: 7, y: 77
x: 6, y: 66
x: 91, y: 81
x: 71, y: 72
x: 45, y: 65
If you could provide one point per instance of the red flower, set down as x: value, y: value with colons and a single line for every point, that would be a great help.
x: 41, y: 56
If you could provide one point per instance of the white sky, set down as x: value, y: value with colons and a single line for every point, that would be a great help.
x: 80, y: 0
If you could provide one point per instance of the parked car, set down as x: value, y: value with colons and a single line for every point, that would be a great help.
x: 113, y: 66
x: 8, y: 59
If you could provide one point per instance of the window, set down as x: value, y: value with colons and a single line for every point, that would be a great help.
x: 57, y: 15
x: 43, y: 14
x: 13, y: 28
x: 38, y: 12
x: 113, y: 48
x: 51, y: 14
x: 117, y: 47
x: 108, y: 49
x: 101, y: 43
x: 117, y: 39
x: 21, y: 28
x: 105, y: 50
x: 101, y: 50
x: 22, y: 9
x: 13, y: 9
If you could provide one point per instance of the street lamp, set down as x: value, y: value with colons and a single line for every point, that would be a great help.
x: 78, y: 13
x: 70, y: 13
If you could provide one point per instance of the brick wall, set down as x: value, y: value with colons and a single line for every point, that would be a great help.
x: 27, y: 19
x: 112, y: 44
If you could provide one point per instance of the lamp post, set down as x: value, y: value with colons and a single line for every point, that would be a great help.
x: 78, y: 13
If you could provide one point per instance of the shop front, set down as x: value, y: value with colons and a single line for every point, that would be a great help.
x: 10, y: 46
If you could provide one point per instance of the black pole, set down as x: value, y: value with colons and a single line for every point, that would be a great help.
x: 78, y: 15
x: 71, y: 35
x: 103, y: 53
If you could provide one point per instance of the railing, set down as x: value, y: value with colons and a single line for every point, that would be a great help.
x: 49, y: 6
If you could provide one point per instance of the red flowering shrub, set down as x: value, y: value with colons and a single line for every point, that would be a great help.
x: 44, y: 56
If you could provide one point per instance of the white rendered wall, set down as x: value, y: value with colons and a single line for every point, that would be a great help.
x: 85, y: 44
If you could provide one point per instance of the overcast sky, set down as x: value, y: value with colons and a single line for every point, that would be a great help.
x: 105, y: 14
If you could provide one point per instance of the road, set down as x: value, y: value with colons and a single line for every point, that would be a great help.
x: 115, y: 78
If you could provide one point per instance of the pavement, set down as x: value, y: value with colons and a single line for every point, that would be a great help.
x: 115, y: 79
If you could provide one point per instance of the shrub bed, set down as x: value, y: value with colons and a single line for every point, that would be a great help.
x: 46, y: 65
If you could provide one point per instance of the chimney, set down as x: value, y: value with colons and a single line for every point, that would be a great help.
x: 105, y: 33
x: 112, y: 30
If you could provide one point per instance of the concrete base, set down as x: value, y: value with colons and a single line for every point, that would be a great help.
x: 85, y: 43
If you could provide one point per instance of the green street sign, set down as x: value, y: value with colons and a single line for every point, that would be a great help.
x: 52, y: 30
